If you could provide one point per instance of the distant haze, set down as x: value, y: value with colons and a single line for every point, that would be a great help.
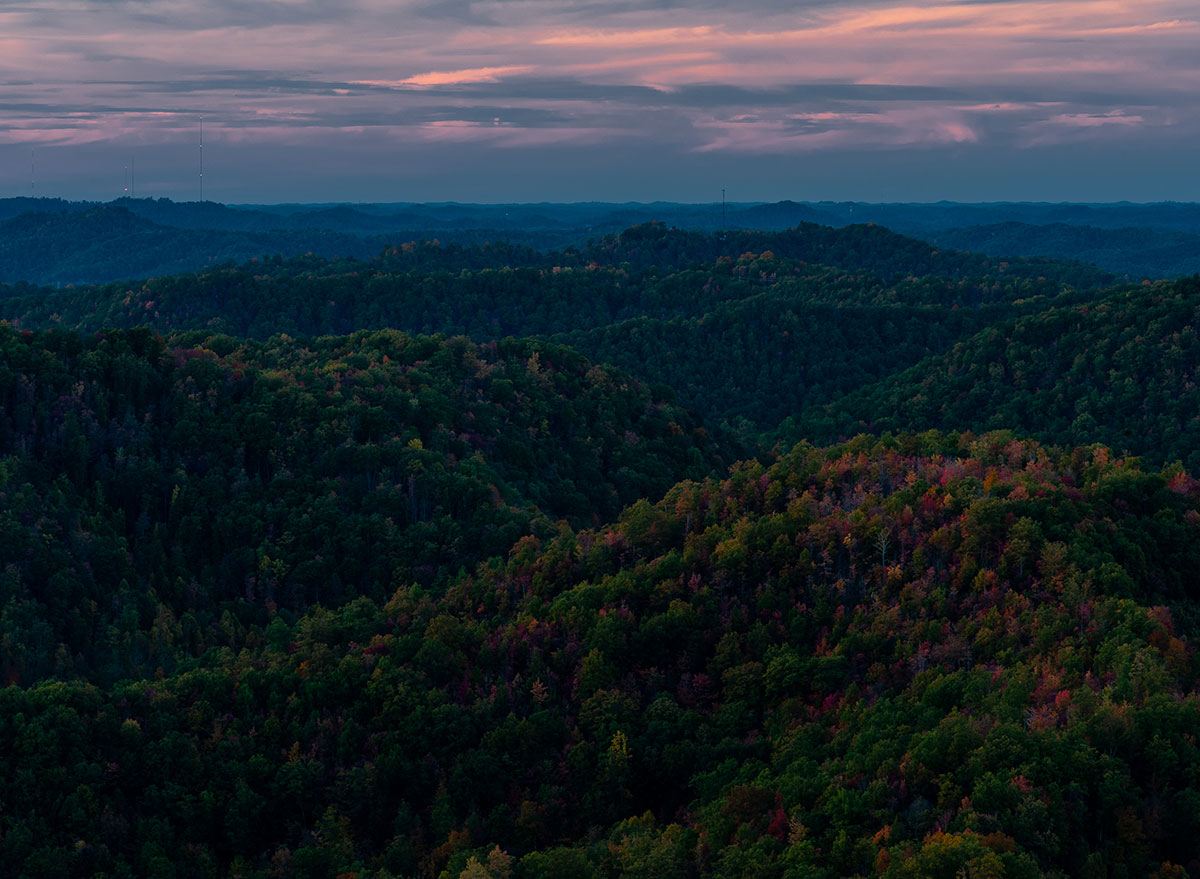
x: 613, y: 100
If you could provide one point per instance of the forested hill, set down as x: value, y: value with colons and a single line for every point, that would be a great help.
x: 917, y: 658
x: 1153, y: 253
x: 500, y: 290
x: 493, y: 562
x: 1149, y: 240
x: 638, y: 257
x: 1123, y: 371
x: 655, y: 301
x: 109, y: 242
x: 201, y: 476
x: 132, y: 239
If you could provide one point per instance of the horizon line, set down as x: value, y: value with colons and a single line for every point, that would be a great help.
x: 640, y: 204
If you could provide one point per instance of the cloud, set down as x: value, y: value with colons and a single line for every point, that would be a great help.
x: 451, y: 77
x: 806, y: 132
x: 1092, y: 120
x: 689, y: 79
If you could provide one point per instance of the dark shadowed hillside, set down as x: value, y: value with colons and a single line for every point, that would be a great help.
x: 1152, y: 253
x: 109, y: 242
x: 207, y: 474
x: 1122, y: 371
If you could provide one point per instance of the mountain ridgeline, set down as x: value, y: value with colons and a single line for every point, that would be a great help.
x: 686, y: 553
x: 56, y: 242
x: 654, y: 301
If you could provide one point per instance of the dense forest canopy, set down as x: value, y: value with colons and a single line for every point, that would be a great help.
x: 803, y: 553
x: 654, y: 301
x: 203, y: 474
x: 1122, y: 370
x: 1151, y: 252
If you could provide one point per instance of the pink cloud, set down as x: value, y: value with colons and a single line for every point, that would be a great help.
x: 503, y: 135
x: 451, y: 77
x: 991, y: 58
x: 626, y: 39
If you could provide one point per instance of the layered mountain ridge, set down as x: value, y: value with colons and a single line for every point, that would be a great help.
x: 820, y: 552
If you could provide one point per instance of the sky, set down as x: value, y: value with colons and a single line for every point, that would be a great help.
x: 601, y: 100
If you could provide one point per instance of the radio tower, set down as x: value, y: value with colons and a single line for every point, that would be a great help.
x: 202, y: 158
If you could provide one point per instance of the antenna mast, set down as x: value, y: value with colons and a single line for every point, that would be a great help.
x: 33, y: 172
x: 201, y: 158
x: 722, y: 209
